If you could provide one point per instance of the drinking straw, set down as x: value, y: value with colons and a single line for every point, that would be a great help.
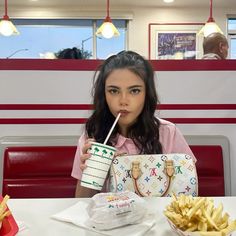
x: 113, y: 126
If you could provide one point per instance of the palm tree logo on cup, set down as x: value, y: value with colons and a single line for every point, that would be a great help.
x: 99, y: 163
x: 95, y: 150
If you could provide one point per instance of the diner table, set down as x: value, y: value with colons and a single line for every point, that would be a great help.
x: 36, y: 214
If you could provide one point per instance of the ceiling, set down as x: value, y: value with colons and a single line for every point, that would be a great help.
x: 120, y: 3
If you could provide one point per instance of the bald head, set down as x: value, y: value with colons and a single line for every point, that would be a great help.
x: 216, y: 43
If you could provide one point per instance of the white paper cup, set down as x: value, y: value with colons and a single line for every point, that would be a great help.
x: 98, y: 166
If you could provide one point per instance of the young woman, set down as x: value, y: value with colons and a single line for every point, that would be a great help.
x: 125, y: 84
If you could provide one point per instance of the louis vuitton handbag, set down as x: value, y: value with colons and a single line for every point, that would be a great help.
x: 154, y: 175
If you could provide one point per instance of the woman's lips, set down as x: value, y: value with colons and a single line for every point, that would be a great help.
x: 124, y: 113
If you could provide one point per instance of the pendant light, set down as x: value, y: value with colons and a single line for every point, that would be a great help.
x: 6, y: 26
x: 107, y: 29
x: 210, y: 26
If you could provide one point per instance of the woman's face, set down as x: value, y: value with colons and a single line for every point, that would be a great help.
x: 125, y: 93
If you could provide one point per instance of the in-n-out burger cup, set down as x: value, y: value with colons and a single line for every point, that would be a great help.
x: 98, y: 166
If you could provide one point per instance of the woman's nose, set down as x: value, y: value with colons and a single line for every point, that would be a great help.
x: 123, y: 99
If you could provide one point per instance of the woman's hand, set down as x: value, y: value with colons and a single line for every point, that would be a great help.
x: 85, y: 155
x: 80, y: 190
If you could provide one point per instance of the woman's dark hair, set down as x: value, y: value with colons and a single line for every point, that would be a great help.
x: 70, y: 53
x: 145, y: 132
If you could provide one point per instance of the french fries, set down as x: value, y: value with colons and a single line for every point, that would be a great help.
x: 198, y: 215
x: 3, y: 208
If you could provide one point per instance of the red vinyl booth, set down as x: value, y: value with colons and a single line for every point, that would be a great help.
x: 210, y: 169
x: 45, y: 171
x: 39, y: 172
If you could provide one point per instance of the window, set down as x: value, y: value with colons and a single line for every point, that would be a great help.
x: 233, y: 47
x: 107, y: 47
x: 232, y: 37
x: 40, y: 38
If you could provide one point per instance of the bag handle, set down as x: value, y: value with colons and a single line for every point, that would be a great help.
x: 136, y: 172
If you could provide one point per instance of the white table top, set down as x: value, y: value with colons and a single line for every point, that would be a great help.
x: 35, y: 213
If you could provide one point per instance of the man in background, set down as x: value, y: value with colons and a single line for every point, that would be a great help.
x: 215, y: 47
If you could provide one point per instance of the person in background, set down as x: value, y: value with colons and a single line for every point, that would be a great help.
x: 125, y: 84
x: 215, y: 46
x: 69, y: 53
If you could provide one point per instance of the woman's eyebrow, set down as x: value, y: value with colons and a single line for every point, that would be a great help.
x: 135, y: 86
x: 130, y: 87
x: 112, y: 86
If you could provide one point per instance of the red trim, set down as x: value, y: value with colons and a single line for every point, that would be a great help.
x: 197, y: 107
x: 90, y: 107
x: 31, y: 121
x: 202, y: 120
x: 193, y: 65
x: 47, y: 64
x: 149, y: 41
x: 46, y: 106
x: 92, y: 65
x: 149, y: 32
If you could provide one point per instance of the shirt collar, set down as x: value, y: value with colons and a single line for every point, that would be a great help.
x: 121, y: 140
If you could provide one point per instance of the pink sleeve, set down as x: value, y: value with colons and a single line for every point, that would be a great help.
x: 180, y: 145
x: 173, y: 141
x: 76, y: 171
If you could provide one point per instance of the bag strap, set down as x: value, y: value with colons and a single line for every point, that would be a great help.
x: 136, y: 173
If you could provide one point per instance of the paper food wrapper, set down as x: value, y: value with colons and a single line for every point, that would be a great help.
x: 77, y: 214
x: 111, y: 210
x: 195, y: 233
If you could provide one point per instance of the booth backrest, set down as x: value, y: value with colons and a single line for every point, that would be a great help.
x: 37, y: 166
x: 45, y: 171
x: 210, y: 169
x: 39, y: 172
x: 213, y: 165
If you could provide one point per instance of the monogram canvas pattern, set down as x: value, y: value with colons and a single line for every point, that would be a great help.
x: 153, y: 180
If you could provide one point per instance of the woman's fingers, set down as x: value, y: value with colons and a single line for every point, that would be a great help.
x: 85, y: 156
x: 82, y: 166
x: 87, y: 145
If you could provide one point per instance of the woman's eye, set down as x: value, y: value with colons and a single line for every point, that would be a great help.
x: 113, y: 91
x: 135, y: 91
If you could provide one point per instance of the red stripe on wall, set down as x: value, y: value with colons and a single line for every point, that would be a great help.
x: 46, y: 106
x: 49, y: 64
x: 197, y: 107
x: 193, y: 65
x: 31, y: 121
x: 92, y: 65
x: 90, y: 107
x: 202, y: 120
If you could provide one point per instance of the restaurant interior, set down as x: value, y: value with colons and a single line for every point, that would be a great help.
x: 46, y: 100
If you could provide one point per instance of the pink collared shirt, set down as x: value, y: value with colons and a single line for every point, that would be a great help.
x: 170, y: 137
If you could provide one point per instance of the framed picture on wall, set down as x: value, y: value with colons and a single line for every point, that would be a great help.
x: 176, y: 45
x: 168, y: 41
